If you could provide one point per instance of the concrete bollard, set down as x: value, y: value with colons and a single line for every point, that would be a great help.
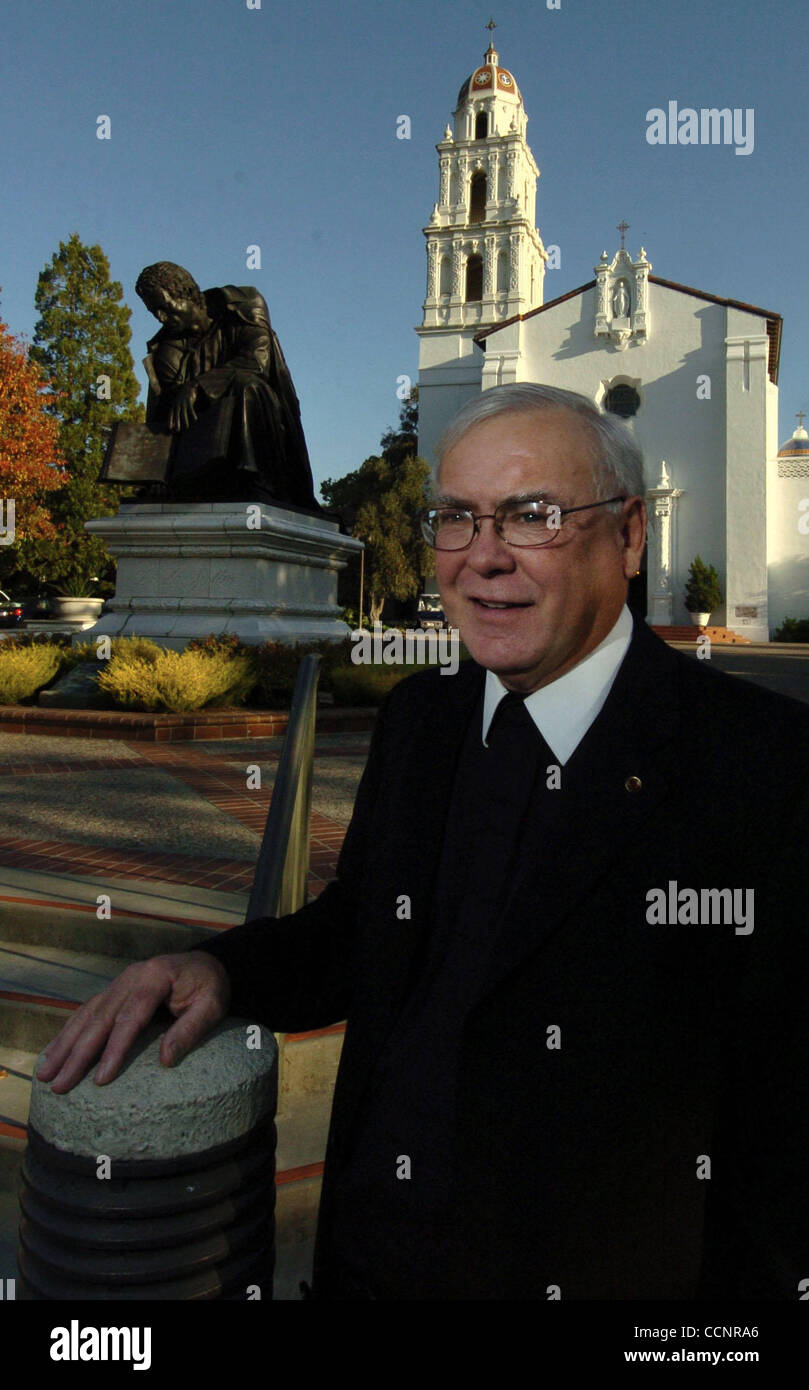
x: 159, y: 1185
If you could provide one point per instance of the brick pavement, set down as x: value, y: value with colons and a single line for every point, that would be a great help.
x: 216, y: 775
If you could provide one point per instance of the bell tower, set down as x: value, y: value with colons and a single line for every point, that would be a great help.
x: 485, y: 258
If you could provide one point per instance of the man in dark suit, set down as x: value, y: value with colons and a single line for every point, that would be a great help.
x: 566, y: 928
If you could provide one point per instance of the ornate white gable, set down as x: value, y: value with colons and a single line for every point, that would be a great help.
x: 622, y: 298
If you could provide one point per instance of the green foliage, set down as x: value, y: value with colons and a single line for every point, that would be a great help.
x: 380, y: 501
x: 397, y: 445
x: 82, y: 335
x: 77, y: 586
x: 792, y: 630
x: 365, y: 685
x: 130, y: 648
x: 228, y: 643
x: 175, y: 681
x: 384, y: 500
x: 59, y: 640
x: 702, y: 591
x: 25, y: 668
x: 277, y: 665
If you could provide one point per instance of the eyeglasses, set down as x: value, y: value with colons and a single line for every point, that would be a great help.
x: 523, y: 524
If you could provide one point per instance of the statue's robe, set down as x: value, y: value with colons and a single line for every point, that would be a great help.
x: 238, y: 356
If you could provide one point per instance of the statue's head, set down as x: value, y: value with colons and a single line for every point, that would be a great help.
x: 172, y: 295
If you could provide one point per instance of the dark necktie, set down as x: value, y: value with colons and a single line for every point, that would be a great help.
x: 492, y: 793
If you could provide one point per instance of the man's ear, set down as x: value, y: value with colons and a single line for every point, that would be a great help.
x: 633, y: 535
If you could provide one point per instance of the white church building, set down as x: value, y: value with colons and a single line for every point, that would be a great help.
x: 694, y: 375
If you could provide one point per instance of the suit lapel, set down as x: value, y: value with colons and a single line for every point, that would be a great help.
x: 411, y: 844
x: 603, y: 810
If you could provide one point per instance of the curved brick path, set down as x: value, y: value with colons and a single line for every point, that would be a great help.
x: 35, y: 769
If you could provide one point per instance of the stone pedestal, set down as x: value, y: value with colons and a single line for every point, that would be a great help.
x: 189, y: 569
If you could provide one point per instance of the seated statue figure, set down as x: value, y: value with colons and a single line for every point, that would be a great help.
x: 214, y: 347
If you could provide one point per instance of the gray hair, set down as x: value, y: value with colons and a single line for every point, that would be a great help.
x: 618, y: 466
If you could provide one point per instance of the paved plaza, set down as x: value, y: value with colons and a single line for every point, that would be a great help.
x: 171, y: 833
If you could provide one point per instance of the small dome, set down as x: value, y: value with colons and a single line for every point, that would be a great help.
x: 797, y: 445
x: 487, y: 80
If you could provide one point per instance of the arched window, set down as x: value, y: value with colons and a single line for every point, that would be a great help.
x: 622, y: 400
x: 481, y: 125
x: 477, y: 201
x: 445, y: 276
x: 474, y: 279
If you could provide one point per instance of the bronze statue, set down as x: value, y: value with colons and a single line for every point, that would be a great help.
x: 218, y: 381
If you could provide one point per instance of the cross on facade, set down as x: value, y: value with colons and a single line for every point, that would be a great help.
x: 623, y: 228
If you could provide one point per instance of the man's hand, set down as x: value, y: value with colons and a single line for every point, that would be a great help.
x: 182, y: 412
x: 193, y: 985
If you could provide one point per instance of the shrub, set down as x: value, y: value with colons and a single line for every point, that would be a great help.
x: 702, y: 591
x: 792, y: 630
x: 176, y: 681
x: 228, y: 644
x: 58, y: 640
x: 366, y: 685
x: 277, y: 665
x: 135, y: 648
x: 25, y: 668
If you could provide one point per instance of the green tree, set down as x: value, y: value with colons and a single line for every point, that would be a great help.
x: 380, y: 501
x: 81, y: 342
x: 398, y: 445
x: 702, y: 591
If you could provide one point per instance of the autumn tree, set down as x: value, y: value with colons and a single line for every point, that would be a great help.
x: 32, y: 469
x: 81, y: 341
x: 380, y: 501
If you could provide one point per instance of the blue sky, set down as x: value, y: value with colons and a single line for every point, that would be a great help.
x: 233, y: 127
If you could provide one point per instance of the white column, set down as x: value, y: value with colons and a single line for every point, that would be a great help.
x: 662, y: 502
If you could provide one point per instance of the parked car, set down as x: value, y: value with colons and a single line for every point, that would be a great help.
x: 430, y: 614
x: 10, y: 611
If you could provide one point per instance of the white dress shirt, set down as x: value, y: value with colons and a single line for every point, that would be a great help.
x: 564, y: 710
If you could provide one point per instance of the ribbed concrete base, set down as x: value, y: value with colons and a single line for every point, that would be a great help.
x: 158, y: 1185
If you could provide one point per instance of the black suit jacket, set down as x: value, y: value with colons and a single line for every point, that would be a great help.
x: 659, y: 1151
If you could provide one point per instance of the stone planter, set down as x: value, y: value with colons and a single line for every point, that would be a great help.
x: 700, y: 619
x: 76, y: 610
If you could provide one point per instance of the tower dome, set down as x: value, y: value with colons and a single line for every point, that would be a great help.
x: 798, y: 445
x: 488, y: 80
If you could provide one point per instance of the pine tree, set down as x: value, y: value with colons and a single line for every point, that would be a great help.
x: 402, y: 443
x: 702, y: 591
x: 81, y: 341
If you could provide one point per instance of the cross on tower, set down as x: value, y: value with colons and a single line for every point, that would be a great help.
x: 801, y: 415
x: 491, y: 26
x: 623, y: 228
